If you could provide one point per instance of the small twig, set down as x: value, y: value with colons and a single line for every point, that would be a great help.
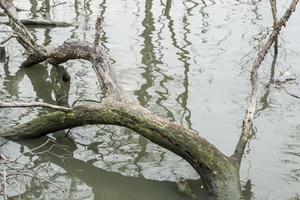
x: 7, y: 39
x: 20, y: 9
x: 293, y: 95
x: 84, y: 100
x: 58, y: 4
x: 33, y: 104
x: 31, y: 150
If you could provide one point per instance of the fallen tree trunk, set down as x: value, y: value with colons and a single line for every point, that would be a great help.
x: 217, y: 171
x: 220, y: 173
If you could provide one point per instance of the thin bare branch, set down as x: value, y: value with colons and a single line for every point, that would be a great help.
x: 32, y: 105
x: 24, y: 36
x: 11, y: 11
x: 7, y: 39
x: 248, y: 120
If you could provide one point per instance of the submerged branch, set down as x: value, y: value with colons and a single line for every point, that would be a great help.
x: 41, y: 23
x: 215, y: 169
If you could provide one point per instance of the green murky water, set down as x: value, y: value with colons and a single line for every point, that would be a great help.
x: 188, y: 61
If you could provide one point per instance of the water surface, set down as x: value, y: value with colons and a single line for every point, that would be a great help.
x: 188, y: 61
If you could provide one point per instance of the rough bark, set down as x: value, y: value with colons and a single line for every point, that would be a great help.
x: 216, y: 170
x: 219, y: 172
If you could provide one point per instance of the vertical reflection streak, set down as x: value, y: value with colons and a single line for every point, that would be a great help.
x: 184, y: 56
x: 33, y: 8
x: 162, y: 94
x: 148, y: 55
x: 149, y: 61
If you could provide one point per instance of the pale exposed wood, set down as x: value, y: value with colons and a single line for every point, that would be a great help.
x: 32, y: 105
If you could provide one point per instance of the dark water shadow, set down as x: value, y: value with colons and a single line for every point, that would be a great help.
x: 105, y: 185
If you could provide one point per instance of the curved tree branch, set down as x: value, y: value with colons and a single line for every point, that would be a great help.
x: 117, y: 109
x: 213, y: 166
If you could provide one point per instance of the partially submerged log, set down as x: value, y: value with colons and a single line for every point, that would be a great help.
x: 220, y: 173
x: 217, y: 171
x: 41, y: 23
